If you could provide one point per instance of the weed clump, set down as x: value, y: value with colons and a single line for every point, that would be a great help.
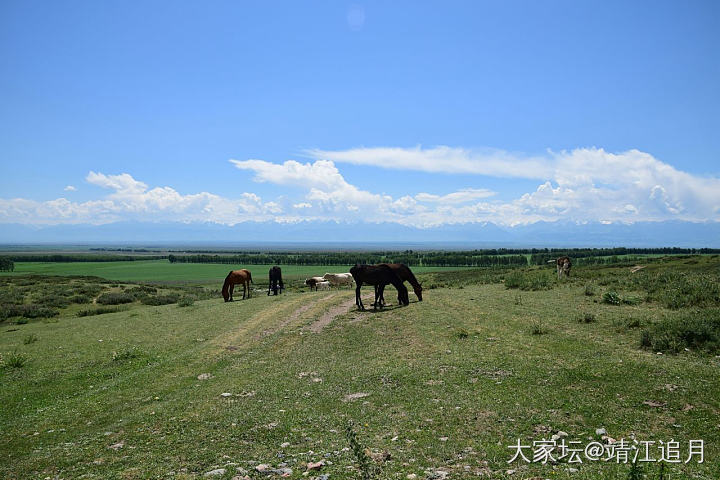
x: 186, y: 301
x: 586, y: 318
x: 692, y: 330
x: 14, y: 360
x: 611, y: 298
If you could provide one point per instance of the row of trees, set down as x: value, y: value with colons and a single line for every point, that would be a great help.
x: 6, y: 265
x: 445, y: 259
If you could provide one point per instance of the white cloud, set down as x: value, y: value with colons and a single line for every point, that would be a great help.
x: 580, y: 185
x: 442, y: 159
x: 131, y: 199
x: 70, y: 188
x: 462, y: 196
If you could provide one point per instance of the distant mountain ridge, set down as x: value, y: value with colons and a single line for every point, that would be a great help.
x: 540, y: 234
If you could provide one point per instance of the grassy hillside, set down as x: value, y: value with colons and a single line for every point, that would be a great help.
x: 438, y: 389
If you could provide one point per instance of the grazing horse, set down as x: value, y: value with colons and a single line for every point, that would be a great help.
x: 563, y: 266
x: 276, y: 280
x: 379, y: 276
x: 234, y: 277
x: 405, y: 274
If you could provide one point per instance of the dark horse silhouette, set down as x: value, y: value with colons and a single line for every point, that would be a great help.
x: 276, y: 281
x: 379, y: 276
x: 234, y: 277
x: 405, y: 274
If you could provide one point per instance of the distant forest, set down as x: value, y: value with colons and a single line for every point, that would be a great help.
x: 500, y: 257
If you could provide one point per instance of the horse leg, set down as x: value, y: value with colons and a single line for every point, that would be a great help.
x: 358, y: 300
x: 232, y: 287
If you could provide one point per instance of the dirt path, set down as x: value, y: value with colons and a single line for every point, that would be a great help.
x: 295, y: 315
x: 327, y: 317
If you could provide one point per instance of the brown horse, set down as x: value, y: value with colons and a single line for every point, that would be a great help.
x: 234, y: 277
x: 379, y: 276
x: 405, y: 274
x: 563, y: 266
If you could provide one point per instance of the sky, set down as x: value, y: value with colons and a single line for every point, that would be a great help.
x: 419, y: 113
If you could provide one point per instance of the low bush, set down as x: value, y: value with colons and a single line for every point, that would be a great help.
x: 26, y: 311
x: 586, y: 318
x: 98, y: 311
x: 160, y: 299
x: 693, y: 330
x: 528, y: 280
x: 81, y: 299
x: 186, y: 301
x: 115, y: 298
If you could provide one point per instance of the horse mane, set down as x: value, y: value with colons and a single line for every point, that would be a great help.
x: 411, y: 277
x: 226, y: 286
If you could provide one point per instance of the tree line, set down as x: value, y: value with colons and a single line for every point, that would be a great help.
x: 6, y: 265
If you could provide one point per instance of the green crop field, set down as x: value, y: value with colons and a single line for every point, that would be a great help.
x: 166, y: 272
x: 438, y: 389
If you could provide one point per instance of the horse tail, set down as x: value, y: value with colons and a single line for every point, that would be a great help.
x: 249, y: 276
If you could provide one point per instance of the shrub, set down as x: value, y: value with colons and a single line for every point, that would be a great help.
x: 98, y: 311
x: 528, y: 280
x: 142, y: 290
x: 611, y: 298
x: 115, y: 298
x: 694, y: 330
x: 160, y: 299
x: 81, y: 299
x: 56, y: 301
x: 586, y: 318
x: 26, y: 311
x: 186, y: 301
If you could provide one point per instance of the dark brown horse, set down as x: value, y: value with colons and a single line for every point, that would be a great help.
x: 234, y: 277
x: 276, y: 281
x: 405, y: 274
x: 379, y: 276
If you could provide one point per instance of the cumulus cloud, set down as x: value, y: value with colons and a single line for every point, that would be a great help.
x: 585, y: 184
x: 131, y: 199
x: 70, y: 188
x: 581, y: 185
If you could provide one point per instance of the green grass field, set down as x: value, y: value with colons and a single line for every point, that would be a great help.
x: 166, y: 272
x: 443, y: 385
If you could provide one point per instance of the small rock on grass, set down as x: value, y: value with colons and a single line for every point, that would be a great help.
x: 204, y: 376
x: 215, y: 473
x: 315, y: 465
x: 355, y: 396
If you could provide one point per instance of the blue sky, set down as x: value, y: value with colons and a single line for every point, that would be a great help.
x: 593, y: 111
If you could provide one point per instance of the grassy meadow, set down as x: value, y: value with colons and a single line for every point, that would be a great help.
x: 199, y: 388
x: 165, y: 272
